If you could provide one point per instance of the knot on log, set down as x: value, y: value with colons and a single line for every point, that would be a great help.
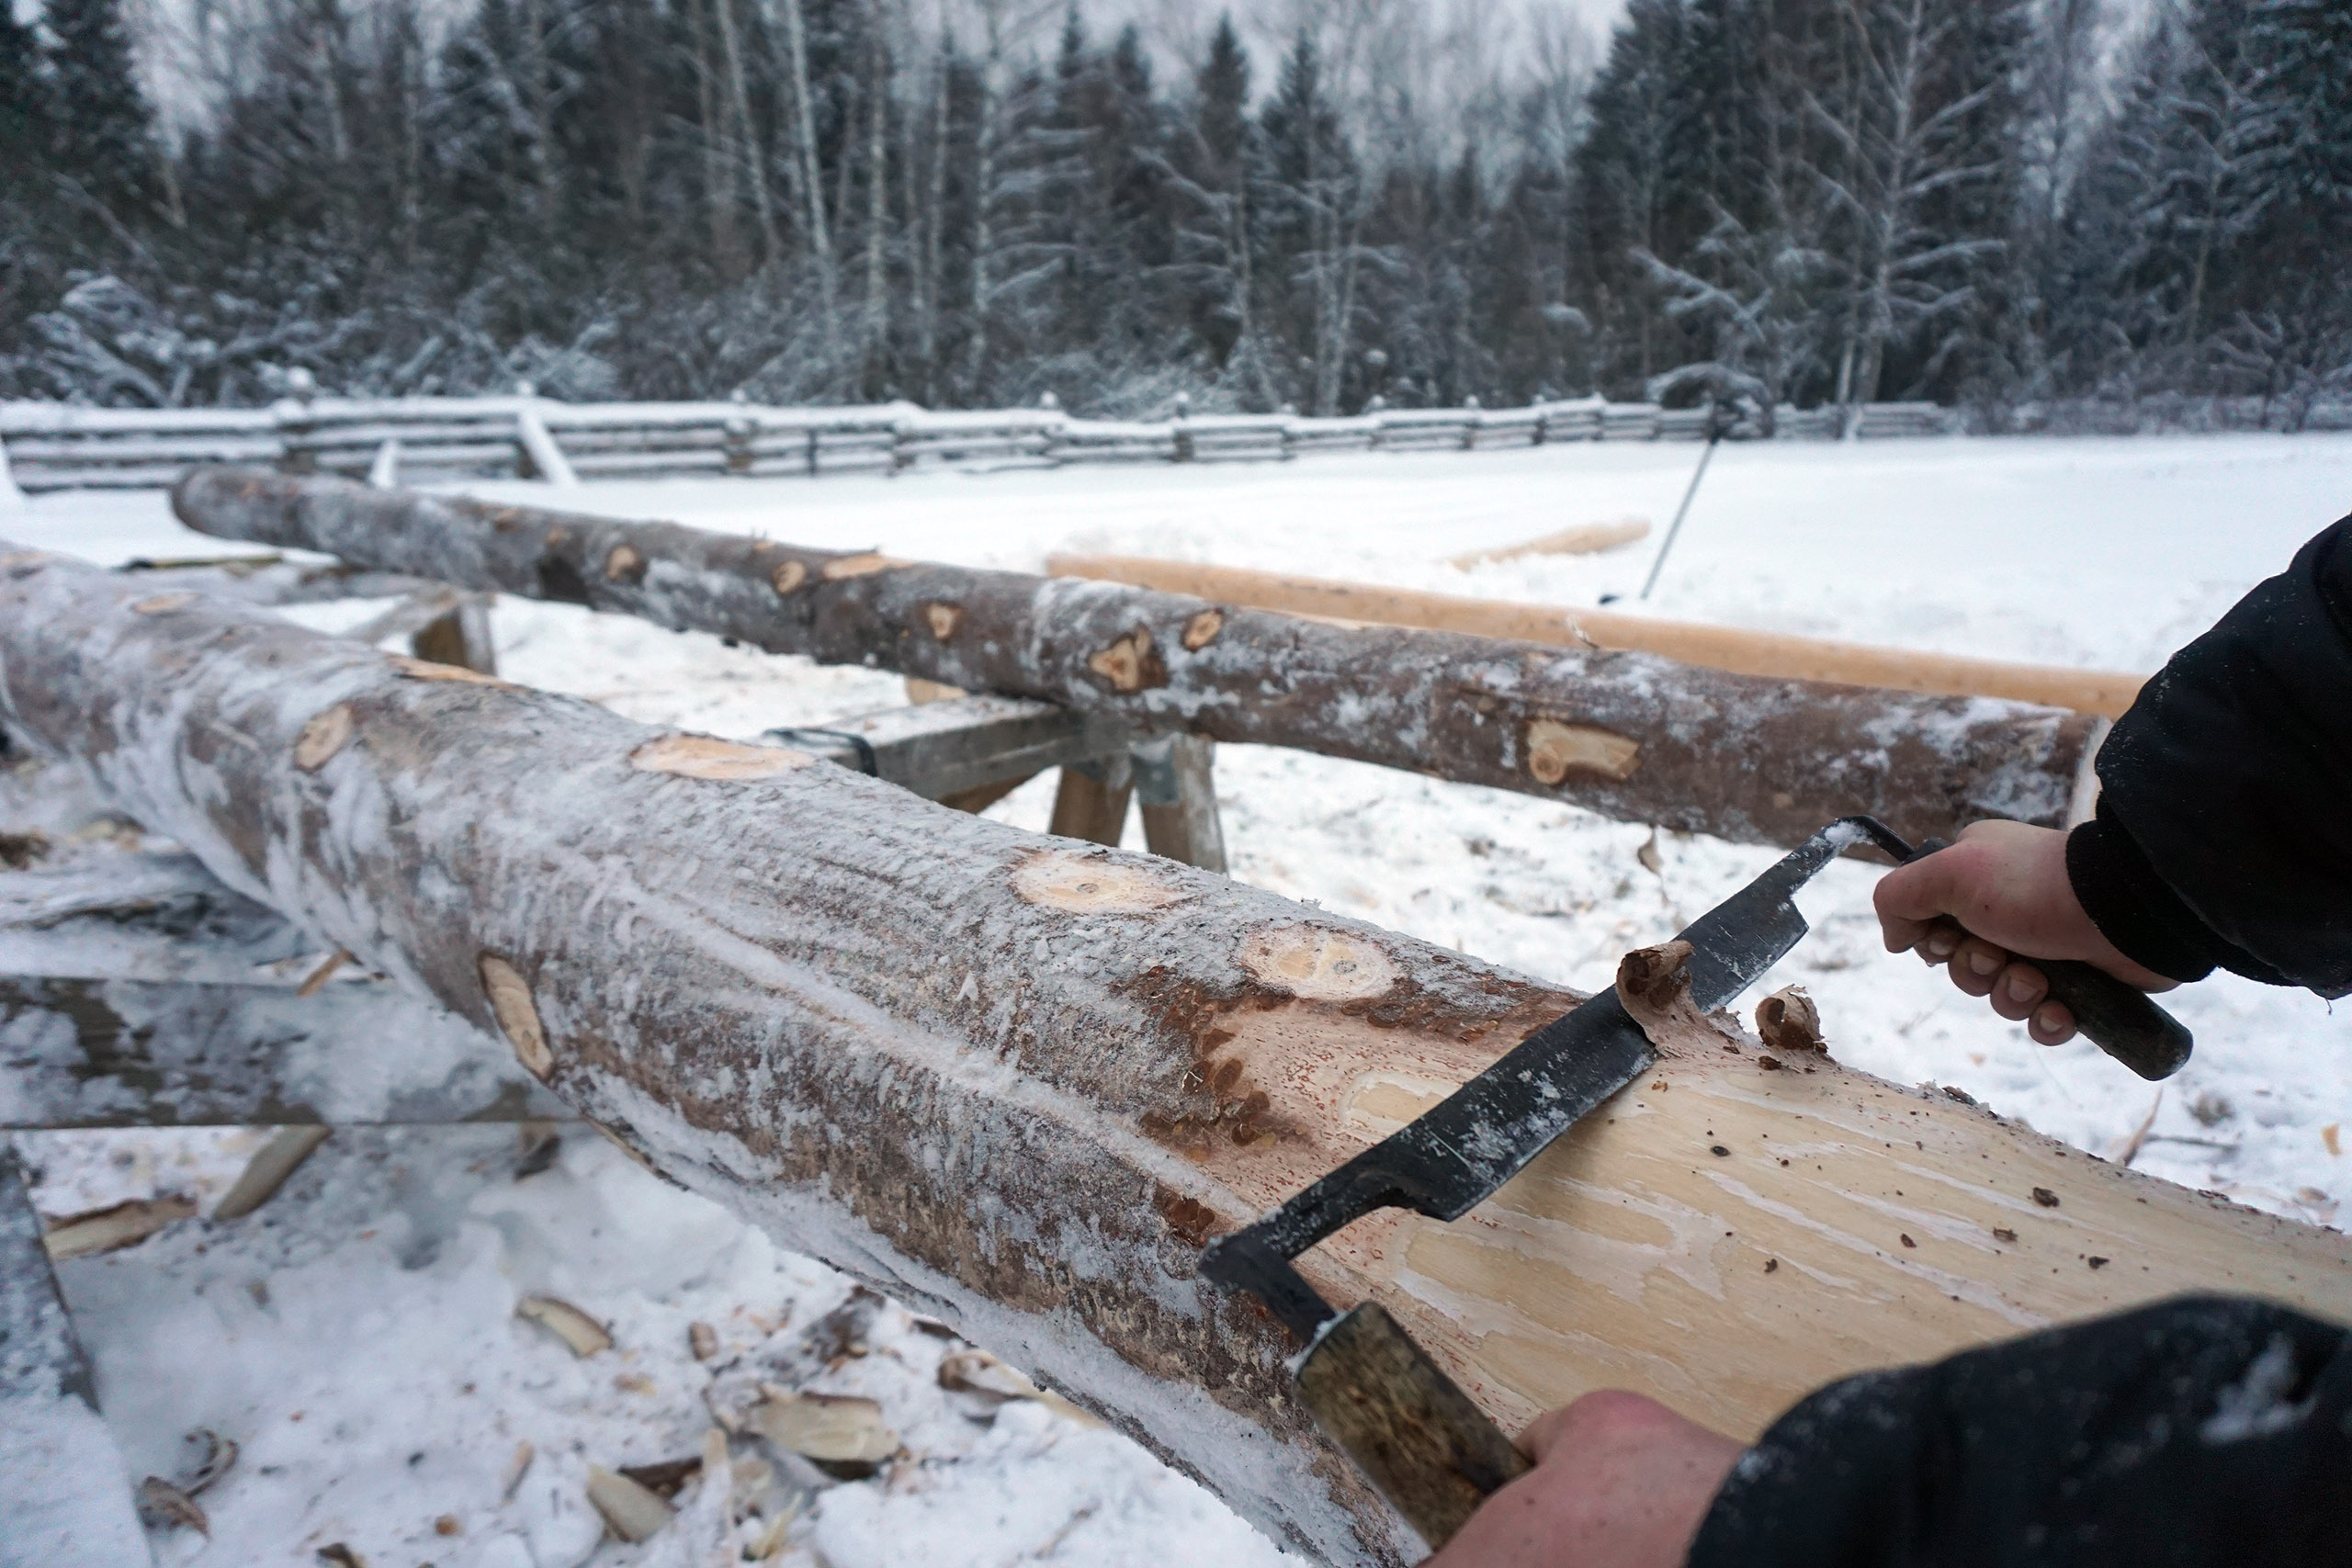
x: 1201, y: 629
x: 1555, y: 750
x: 321, y: 738
x: 518, y: 1016
x: 707, y: 756
x: 1080, y: 884
x: 1131, y: 663
x: 865, y: 565
x: 1316, y: 964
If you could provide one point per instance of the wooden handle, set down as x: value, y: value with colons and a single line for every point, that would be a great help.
x: 1409, y: 1427
x: 2121, y: 1020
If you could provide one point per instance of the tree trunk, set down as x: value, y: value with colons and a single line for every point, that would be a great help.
x: 1624, y: 734
x: 746, y: 136
x: 1019, y: 1082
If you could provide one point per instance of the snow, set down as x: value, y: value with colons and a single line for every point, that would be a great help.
x: 388, y: 1267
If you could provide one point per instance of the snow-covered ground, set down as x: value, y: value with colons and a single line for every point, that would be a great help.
x: 356, y: 1335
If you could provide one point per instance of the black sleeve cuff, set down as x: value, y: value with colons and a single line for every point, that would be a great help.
x: 2139, y: 912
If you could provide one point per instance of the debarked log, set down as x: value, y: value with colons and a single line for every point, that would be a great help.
x: 1629, y: 735
x: 1019, y: 1082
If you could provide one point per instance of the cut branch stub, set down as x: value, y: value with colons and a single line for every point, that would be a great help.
x: 518, y: 1014
x: 1555, y: 750
x: 1079, y: 884
x: 323, y: 737
x: 1201, y: 629
x: 1130, y: 664
x: 1318, y: 964
x: 707, y: 756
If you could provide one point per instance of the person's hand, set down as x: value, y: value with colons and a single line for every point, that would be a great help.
x: 1620, y: 1482
x: 2006, y: 883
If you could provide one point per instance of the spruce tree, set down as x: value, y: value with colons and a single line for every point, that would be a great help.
x: 101, y: 130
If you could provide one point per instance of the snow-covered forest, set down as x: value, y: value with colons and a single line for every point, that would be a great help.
x: 2001, y: 204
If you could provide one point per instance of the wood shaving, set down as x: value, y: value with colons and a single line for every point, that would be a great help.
x: 568, y: 1323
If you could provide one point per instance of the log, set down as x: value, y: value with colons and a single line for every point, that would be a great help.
x: 1624, y: 734
x: 1772, y: 655
x: 1019, y: 1083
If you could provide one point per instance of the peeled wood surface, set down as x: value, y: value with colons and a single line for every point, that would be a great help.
x: 1624, y: 734
x: 1774, y: 655
x: 1019, y: 1083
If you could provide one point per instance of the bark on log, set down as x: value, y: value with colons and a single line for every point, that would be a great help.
x: 1772, y: 655
x: 1624, y: 734
x: 1019, y: 1083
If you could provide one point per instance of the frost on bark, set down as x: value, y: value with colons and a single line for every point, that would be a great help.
x: 1627, y: 735
x: 1019, y: 1082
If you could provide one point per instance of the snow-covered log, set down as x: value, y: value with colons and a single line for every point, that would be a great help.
x: 1629, y: 735
x: 1018, y: 1082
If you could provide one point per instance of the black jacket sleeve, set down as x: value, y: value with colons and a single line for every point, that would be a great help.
x: 2195, y: 1434
x: 2224, y: 837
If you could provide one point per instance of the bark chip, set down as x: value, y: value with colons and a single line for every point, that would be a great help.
x: 1317, y: 965
x: 1555, y: 750
x: 1201, y: 629
x: 1788, y: 1020
x: 162, y: 603
x: 326, y: 735
x: 1081, y: 884
x: 625, y: 565
x: 518, y: 1014
x: 707, y: 756
x: 943, y: 619
x: 787, y: 576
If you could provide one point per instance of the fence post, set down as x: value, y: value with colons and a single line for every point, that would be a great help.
x: 812, y: 451
x: 1378, y: 410
x: 1182, y: 428
x: 1470, y: 406
x: 295, y: 424
x: 735, y: 441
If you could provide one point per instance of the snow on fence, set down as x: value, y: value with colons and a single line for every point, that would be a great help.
x: 53, y: 446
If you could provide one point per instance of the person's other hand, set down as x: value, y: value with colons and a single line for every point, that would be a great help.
x: 2006, y: 883
x: 1620, y: 1482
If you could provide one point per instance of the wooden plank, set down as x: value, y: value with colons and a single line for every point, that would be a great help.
x: 957, y: 745
x: 1770, y: 655
x: 65, y: 1493
x: 1019, y: 1083
x: 1632, y: 736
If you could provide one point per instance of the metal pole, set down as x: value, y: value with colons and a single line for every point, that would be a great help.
x: 1714, y: 434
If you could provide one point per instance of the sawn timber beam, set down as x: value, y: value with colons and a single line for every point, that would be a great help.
x: 1019, y: 1083
x: 1628, y: 734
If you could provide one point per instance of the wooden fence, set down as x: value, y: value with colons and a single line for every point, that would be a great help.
x: 53, y: 446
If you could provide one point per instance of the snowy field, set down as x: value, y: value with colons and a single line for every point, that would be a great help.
x: 357, y: 1337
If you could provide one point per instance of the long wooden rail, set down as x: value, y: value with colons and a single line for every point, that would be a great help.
x: 1774, y: 655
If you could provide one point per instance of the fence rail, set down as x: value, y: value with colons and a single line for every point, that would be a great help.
x: 53, y: 446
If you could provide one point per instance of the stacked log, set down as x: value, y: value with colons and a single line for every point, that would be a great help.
x: 1627, y: 735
